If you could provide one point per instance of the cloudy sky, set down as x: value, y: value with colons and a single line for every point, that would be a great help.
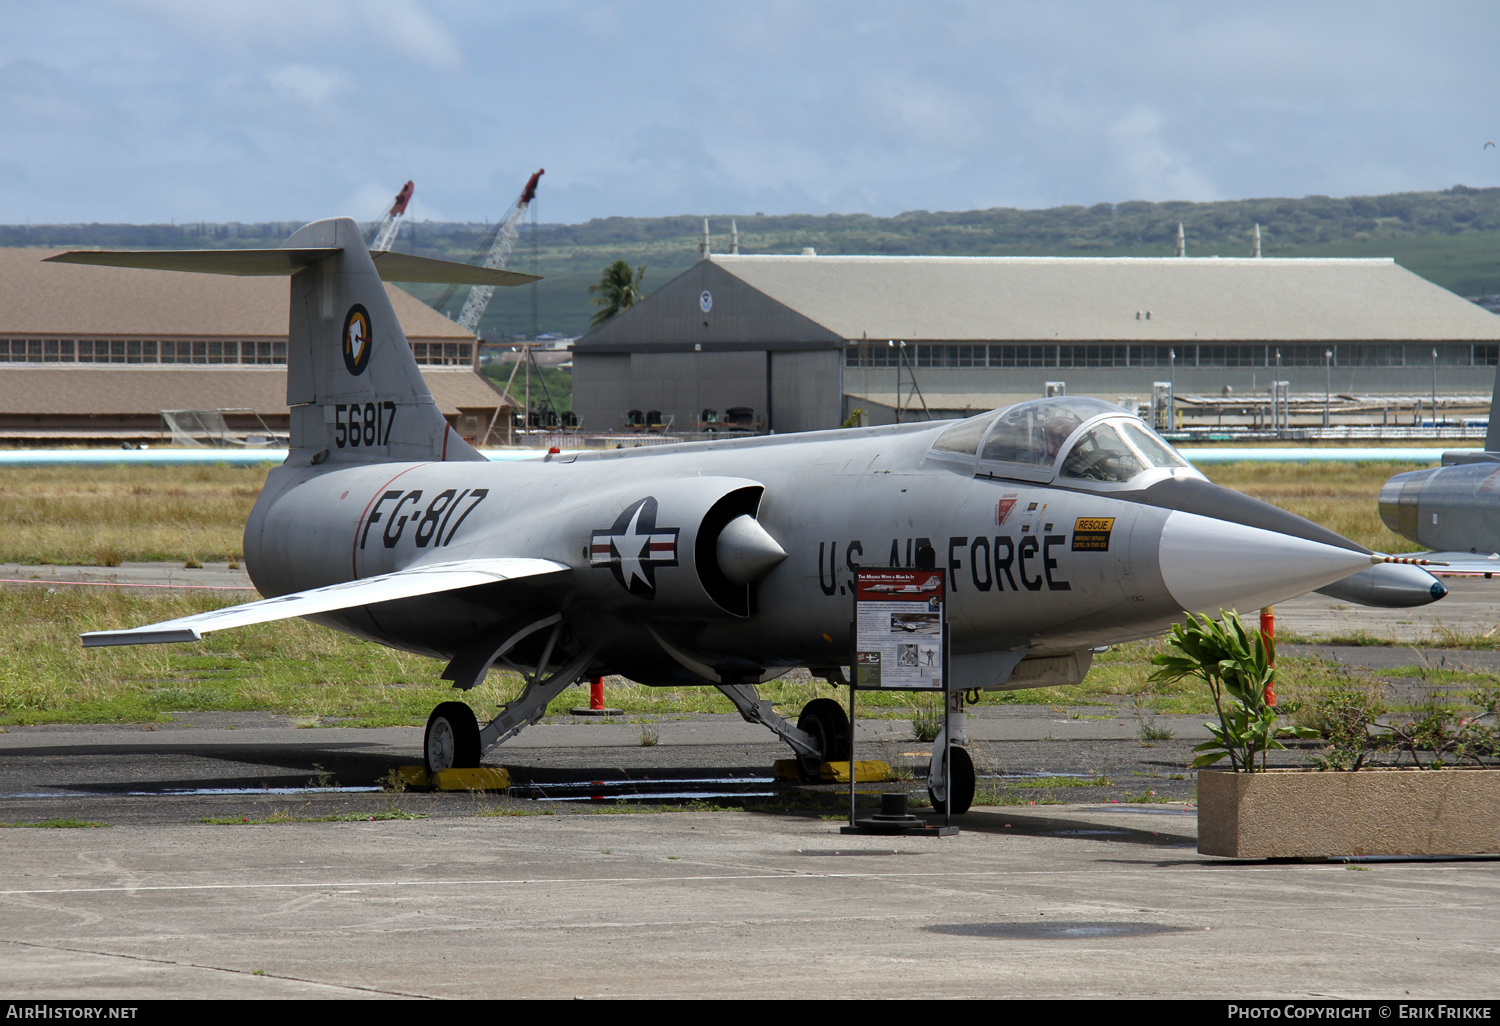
x: 158, y: 110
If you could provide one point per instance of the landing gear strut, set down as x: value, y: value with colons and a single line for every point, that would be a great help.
x: 960, y: 777
x: 454, y: 738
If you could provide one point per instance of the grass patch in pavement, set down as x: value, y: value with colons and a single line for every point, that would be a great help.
x: 286, y: 816
x: 58, y: 824
x: 1051, y: 782
x: 1440, y: 637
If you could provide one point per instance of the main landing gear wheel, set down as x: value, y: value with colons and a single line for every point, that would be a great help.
x: 961, y: 779
x: 826, y: 721
x: 452, y: 740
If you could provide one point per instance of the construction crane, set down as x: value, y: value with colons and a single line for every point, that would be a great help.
x: 386, y: 228
x: 496, y: 247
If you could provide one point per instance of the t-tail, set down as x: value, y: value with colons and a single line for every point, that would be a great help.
x: 353, y: 386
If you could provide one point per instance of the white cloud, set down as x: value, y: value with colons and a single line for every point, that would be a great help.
x: 1148, y: 166
x: 250, y: 111
x: 299, y: 83
x: 366, y: 31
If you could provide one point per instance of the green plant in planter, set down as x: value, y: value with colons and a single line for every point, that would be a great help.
x: 1238, y: 667
x: 1348, y: 718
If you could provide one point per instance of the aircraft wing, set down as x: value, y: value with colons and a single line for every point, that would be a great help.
x: 422, y: 580
x: 1460, y: 564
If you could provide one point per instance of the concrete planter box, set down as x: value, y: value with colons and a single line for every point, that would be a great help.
x: 1311, y: 813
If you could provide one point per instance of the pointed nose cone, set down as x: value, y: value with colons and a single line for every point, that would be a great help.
x: 745, y: 551
x: 1210, y: 564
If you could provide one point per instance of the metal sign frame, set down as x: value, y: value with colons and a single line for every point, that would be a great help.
x: 899, y: 632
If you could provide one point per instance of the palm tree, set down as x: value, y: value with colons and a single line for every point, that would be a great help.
x: 619, y: 289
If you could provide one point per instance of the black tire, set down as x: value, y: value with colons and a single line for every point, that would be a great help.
x: 825, y: 720
x: 452, y: 738
x: 963, y: 779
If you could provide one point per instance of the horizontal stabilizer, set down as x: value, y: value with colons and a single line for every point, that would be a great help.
x: 405, y: 267
x: 403, y: 584
x: 270, y: 262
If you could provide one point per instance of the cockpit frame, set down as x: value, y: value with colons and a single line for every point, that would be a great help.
x: 1072, y: 441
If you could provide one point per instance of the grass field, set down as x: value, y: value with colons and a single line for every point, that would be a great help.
x: 99, y: 516
x: 328, y: 679
x: 302, y: 670
x: 1340, y: 496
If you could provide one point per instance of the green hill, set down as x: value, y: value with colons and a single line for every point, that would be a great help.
x: 1450, y: 237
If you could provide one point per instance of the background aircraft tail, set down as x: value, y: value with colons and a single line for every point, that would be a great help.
x: 1492, y: 434
x: 355, y: 392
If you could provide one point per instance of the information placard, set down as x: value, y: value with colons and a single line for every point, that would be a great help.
x: 899, y: 629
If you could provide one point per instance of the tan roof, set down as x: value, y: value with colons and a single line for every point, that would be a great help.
x: 1027, y: 299
x: 977, y: 402
x: 41, y: 390
x: 72, y: 300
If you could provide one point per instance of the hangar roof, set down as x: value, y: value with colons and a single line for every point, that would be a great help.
x: 1029, y: 299
x: 39, y: 299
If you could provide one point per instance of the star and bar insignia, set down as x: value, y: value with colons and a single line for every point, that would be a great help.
x: 634, y: 547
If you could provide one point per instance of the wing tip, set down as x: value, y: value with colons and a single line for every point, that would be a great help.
x: 106, y: 639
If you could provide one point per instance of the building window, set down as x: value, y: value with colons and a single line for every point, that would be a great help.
x: 442, y: 354
x: 1022, y: 356
x: 870, y: 354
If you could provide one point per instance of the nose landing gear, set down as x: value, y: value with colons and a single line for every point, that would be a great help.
x: 959, y: 779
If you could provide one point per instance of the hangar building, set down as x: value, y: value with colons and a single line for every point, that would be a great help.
x: 803, y: 340
x: 96, y: 353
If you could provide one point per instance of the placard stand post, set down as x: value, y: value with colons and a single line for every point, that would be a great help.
x: 899, y: 641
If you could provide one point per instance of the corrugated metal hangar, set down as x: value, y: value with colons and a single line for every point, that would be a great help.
x: 89, y: 353
x: 796, y: 342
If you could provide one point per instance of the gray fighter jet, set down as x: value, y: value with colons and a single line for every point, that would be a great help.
x: 1059, y: 526
x: 1454, y: 508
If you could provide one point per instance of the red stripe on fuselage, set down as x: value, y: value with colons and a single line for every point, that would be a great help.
x: 354, y: 549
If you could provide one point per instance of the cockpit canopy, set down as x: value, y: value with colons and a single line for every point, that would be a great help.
x: 1074, y: 438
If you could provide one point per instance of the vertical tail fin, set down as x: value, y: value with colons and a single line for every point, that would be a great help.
x: 354, y: 388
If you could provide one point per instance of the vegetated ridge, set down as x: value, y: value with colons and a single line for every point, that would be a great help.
x: 1450, y: 237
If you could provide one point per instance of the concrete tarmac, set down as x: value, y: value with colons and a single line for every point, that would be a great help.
x: 1063, y: 901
